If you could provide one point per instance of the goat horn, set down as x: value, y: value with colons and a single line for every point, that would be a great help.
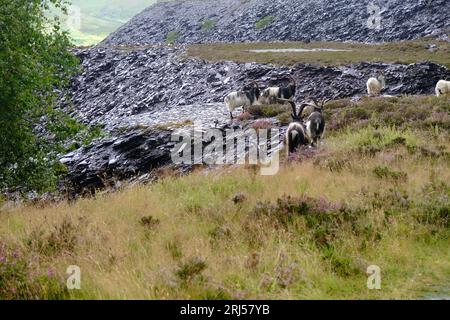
x: 302, y: 107
x: 292, y: 103
x: 314, y: 100
x: 293, y: 80
x: 323, y: 102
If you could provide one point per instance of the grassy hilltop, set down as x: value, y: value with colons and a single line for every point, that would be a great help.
x: 101, y: 17
x: 376, y: 193
x: 390, y: 52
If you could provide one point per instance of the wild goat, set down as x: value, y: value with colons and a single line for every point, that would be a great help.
x: 274, y: 94
x: 442, y: 87
x: 315, y: 124
x: 244, y: 98
x: 376, y: 85
x: 295, y: 134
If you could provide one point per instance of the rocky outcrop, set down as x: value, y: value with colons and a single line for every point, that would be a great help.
x: 138, y: 154
x: 206, y: 21
x: 116, y: 158
x: 155, y: 86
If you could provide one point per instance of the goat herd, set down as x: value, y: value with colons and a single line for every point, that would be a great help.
x: 309, y: 131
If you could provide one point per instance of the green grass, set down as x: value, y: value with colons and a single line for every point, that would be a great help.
x: 101, y: 17
x: 208, y: 24
x: 396, y: 52
x: 424, y: 112
x: 369, y: 140
x: 172, y: 37
x: 264, y: 22
x: 308, y: 232
x: 269, y: 111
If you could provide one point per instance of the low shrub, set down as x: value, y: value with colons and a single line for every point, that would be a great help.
x: 262, y: 124
x: 18, y: 280
x: 418, y: 112
x: 175, y: 249
x: 244, y: 116
x: 434, y: 207
x: 62, y: 239
x: 191, y: 269
x: 341, y: 263
x: 149, y: 222
x: 323, y: 218
x: 267, y: 111
x: 284, y: 118
x: 383, y: 172
x: 370, y: 140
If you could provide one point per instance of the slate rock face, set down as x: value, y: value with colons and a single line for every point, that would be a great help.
x: 116, y: 158
x: 206, y: 21
x: 157, y: 86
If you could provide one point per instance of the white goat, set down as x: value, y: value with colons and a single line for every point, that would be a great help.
x: 375, y: 86
x: 442, y: 87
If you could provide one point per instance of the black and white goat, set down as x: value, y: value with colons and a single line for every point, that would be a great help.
x: 296, y: 133
x: 274, y: 94
x: 244, y: 98
x: 315, y: 123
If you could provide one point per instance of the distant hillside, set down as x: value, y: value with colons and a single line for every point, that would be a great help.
x: 101, y: 17
x: 203, y: 21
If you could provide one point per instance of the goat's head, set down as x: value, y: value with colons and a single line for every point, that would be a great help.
x: 249, y: 85
x: 255, y: 90
x: 381, y: 76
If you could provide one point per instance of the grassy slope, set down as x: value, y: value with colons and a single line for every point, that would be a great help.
x: 200, y: 244
x: 401, y: 52
x: 101, y: 17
